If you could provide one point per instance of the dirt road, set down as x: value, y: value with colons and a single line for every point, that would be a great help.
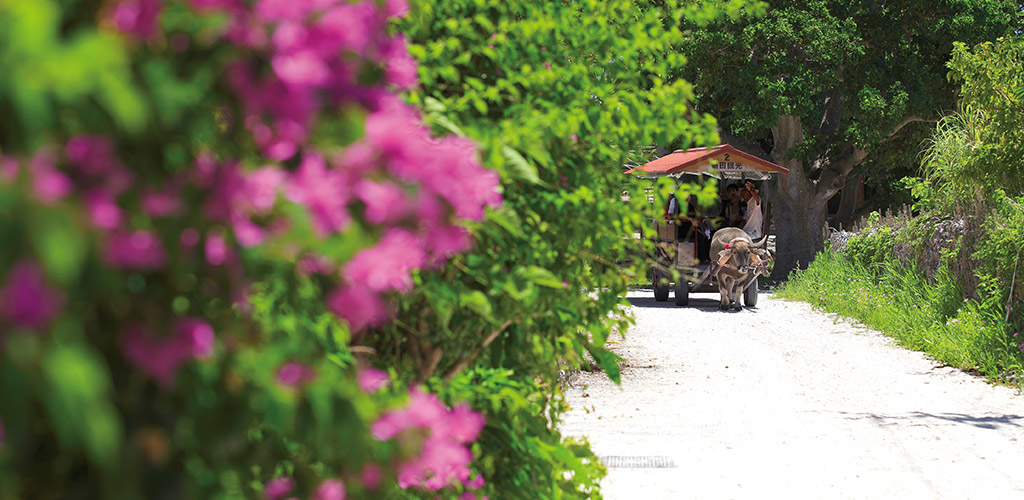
x: 781, y: 401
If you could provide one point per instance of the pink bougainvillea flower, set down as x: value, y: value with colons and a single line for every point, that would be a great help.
x: 371, y: 380
x: 444, y: 457
x: 358, y: 159
x: 197, y: 336
x: 248, y: 233
x: 398, y: 132
x: 386, y: 266
x: 360, y: 307
x: 25, y: 298
x: 261, y: 186
x: 277, y: 488
x: 431, y: 210
x: 50, y: 185
x: 294, y: 374
x: 441, y: 462
x: 423, y: 409
x: 348, y: 27
x: 396, y: 8
x: 443, y: 241
x: 462, y: 424
x: 386, y: 202
x: 289, y: 36
x: 208, y: 5
x: 160, y: 358
x: 226, y: 185
x: 137, y: 250
x: 465, y: 184
x: 400, y: 69
x: 163, y: 203
x: 323, y: 192
x: 216, y: 248
x: 139, y: 18
x: 92, y: 155
x: 189, y: 237
x: 331, y: 489
x: 8, y: 169
x: 371, y: 476
x: 315, y: 264
x: 301, y: 67
x: 476, y: 482
x: 102, y: 210
x: 281, y: 10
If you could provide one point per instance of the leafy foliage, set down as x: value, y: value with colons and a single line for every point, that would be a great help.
x: 181, y: 194
x: 972, y: 177
x: 203, y: 329
x: 976, y: 152
x: 871, y: 247
x: 932, y: 317
x: 830, y: 88
x: 557, y: 95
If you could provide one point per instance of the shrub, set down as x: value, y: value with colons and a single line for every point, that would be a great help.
x: 181, y: 185
x: 871, y: 248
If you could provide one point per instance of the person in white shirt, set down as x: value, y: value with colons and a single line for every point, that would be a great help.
x: 754, y: 221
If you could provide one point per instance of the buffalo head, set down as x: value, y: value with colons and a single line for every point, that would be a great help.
x: 743, y: 254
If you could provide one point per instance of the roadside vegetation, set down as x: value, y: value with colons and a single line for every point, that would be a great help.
x: 319, y: 249
x: 948, y: 281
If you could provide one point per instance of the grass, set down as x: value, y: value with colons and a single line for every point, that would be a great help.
x: 934, y: 318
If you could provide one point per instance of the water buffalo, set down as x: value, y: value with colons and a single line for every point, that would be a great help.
x: 739, y: 261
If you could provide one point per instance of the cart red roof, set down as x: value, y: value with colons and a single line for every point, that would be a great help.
x: 724, y: 159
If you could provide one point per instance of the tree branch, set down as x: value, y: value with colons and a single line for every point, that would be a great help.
x: 461, y: 365
x: 911, y: 119
x: 830, y: 117
x: 834, y: 176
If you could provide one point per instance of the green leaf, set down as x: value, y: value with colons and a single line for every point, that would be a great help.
x: 60, y: 244
x: 542, y: 277
x: 507, y: 218
x: 79, y: 405
x: 477, y: 302
x: 519, y: 167
x: 607, y: 360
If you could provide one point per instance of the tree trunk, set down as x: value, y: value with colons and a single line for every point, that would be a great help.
x: 848, y: 201
x: 800, y: 204
x: 799, y: 230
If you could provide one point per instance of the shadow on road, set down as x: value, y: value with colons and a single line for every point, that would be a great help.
x: 703, y: 301
x: 986, y: 422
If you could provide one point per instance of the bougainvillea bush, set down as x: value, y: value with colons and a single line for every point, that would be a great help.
x: 162, y: 163
x: 250, y: 248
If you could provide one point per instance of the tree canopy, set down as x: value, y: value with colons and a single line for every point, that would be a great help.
x: 822, y: 85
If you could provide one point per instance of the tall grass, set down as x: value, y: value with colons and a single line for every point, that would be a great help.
x: 931, y: 317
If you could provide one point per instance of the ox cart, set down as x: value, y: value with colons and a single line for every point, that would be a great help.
x: 685, y: 246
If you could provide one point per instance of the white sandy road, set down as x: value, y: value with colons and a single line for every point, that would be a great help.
x: 784, y: 402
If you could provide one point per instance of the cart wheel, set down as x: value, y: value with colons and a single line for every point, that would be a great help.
x: 661, y: 287
x: 682, y: 292
x: 750, y: 294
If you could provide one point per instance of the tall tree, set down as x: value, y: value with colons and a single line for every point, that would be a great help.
x: 822, y: 86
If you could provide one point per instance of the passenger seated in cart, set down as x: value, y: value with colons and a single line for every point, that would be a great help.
x: 693, y: 225
x: 673, y: 216
x: 732, y: 212
x: 700, y: 226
